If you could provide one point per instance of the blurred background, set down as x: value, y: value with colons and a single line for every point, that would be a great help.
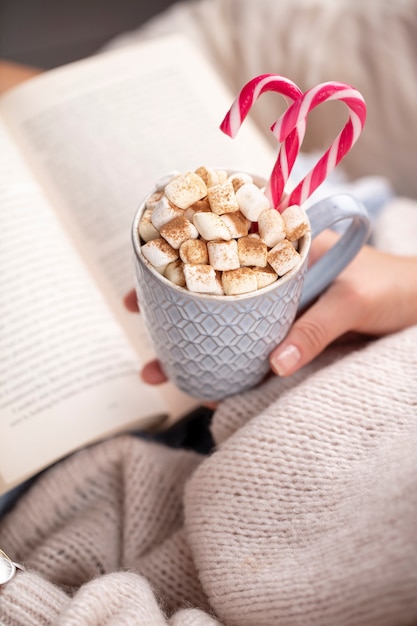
x: 48, y: 33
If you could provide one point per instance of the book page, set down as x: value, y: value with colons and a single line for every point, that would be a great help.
x: 100, y: 132
x: 68, y: 374
x: 96, y: 136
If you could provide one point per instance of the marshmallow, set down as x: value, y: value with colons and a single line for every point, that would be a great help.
x: 175, y: 273
x: 153, y: 199
x: 189, y: 213
x: 161, y: 268
x: 222, y: 198
x: 211, y: 177
x: 271, y: 227
x: 242, y: 280
x: 264, y: 276
x: 202, y: 279
x: 164, y: 180
x: 239, y: 178
x: 185, y: 189
x: 296, y: 222
x: 200, y: 205
x: 194, y: 251
x: 158, y: 252
x: 223, y: 255
x: 252, y: 251
x: 164, y: 212
x: 208, y: 175
x: 283, y: 257
x: 221, y: 176
x: 251, y: 201
x: 210, y: 226
x: 147, y: 230
x: 237, y: 223
x: 177, y: 231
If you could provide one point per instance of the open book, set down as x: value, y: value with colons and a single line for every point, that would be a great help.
x: 79, y: 147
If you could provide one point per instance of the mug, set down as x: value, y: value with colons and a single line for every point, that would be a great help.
x: 214, y: 346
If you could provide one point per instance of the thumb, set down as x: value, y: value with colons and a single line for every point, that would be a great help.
x: 326, y: 320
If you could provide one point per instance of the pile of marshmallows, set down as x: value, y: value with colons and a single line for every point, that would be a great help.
x: 197, y: 231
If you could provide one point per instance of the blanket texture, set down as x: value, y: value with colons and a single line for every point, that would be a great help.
x: 306, y: 511
x: 304, y: 514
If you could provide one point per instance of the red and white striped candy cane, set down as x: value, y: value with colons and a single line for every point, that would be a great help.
x: 289, y: 151
x: 299, y: 110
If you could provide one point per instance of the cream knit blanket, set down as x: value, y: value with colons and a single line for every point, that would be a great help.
x: 305, y: 514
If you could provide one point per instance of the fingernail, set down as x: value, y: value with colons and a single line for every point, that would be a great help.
x: 285, y: 360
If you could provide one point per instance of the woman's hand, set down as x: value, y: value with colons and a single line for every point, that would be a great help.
x: 375, y: 295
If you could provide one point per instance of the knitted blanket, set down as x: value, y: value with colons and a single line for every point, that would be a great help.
x: 304, y: 514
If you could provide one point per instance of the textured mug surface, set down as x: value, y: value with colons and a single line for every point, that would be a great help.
x: 214, y: 346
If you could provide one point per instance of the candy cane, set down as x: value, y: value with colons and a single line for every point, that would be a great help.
x: 298, y: 111
x: 289, y: 151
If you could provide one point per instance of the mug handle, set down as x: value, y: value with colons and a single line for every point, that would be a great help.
x: 325, y: 214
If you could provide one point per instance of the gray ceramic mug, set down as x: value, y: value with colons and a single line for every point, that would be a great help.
x: 214, y: 346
